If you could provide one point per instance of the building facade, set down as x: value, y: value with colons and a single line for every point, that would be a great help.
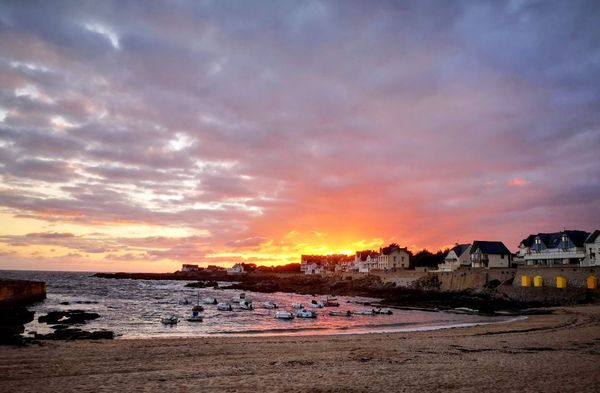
x: 592, y: 249
x: 489, y: 254
x: 552, y: 249
x: 458, y: 256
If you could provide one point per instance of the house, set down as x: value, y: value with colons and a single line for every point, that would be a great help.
x: 366, y: 260
x: 238, y: 268
x: 592, y: 249
x: 312, y: 268
x: 392, y: 258
x: 189, y: 268
x: 458, y: 256
x: 556, y: 248
x: 331, y: 262
x: 489, y: 254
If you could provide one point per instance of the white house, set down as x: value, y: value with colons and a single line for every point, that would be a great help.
x: 312, y: 268
x: 557, y: 248
x: 366, y: 261
x: 238, y: 268
x: 459, y: 255
x: 592, y: 249
x: 489, y: 254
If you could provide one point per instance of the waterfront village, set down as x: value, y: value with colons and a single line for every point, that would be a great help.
x: 567, y: 248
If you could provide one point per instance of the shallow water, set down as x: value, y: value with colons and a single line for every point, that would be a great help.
x: 133, y: 308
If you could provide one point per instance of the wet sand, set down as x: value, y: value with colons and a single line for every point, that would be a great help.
x: 549, y: 353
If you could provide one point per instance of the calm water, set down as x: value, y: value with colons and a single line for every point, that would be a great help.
x: 133, y: 308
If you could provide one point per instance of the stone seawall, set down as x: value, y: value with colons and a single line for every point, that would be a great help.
x: 471, y: 278
x: 576, y: 276
x: 21, y: 292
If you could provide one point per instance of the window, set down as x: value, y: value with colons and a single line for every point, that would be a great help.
x: 402, y: 260
x: 502, y: 256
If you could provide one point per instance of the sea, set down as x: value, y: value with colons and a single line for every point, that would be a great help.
x: 134, y: 308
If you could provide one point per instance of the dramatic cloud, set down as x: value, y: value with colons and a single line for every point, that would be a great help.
x: 255, y: 131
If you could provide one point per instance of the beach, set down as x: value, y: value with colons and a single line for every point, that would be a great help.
x: 552, y: 353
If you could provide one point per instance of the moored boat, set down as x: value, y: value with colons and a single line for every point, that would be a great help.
x: 224, y: 307
x: 195, y: 317
x: 306, y: 314
x: 170, y: 320
x: 316, y: 304
x: 340, y: 313
x: 246, y: 305
x: 363, y: 312
x: 331, y: 302
x: 269, y: 304
x: 209, y: 300
x: 284, y: 315
x: 239, y: 298
x: 384, y: 311
x: 298, y: 306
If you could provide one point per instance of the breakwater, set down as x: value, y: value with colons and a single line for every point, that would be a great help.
x: 21, y: 292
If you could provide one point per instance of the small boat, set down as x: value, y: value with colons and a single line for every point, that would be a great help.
x: 306, y: 314
x: 364, y: 312
x: 171, y: 320
x: 239, y: 298
x: 284, y: 315
x: 224, y: 307
x: 340, y: 313
x: 298, y: 306
x: 331, y: 302
x: 269, y: 305
x: 184, y: 302
x: 209, y: 300
x: 195, y: 317
x: 316, y: 304
x: 384, y: 311
x: 246, y: 305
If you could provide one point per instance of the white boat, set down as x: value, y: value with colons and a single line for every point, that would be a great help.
x: 306, y: 314
x: 340, y: 313
x: 246, y: 305
x: 298, y: 306
x: 224, y: 307
x: 171, y: 320
x: 209, y: 300
x: 363, y: 312
x: 195, y: 317
x: 239, y: 298
x: 384, y: 311
x: 269, y: 305
x: 284, y: 315
x: 316, y: 304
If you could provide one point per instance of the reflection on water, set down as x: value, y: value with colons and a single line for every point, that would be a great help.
x: 133, y: 308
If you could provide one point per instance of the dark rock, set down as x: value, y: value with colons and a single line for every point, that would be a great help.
x: 12, y: 321
x: 70, y: 317
x: 76, y: 334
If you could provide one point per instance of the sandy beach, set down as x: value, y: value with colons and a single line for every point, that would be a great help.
x: 550, y: 353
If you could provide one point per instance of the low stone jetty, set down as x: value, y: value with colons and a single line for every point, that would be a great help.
x: 14, y: 296
x: 21, y: 292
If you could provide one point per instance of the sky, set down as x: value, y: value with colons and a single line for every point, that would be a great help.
x: 137, y: 136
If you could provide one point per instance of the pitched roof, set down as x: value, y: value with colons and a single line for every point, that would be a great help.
x: 459, y: 249
x: 487, y: 247
x: 552, y: 240
x: 593, y: 236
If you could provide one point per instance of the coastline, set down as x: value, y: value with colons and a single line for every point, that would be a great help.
x: 552, y: 353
